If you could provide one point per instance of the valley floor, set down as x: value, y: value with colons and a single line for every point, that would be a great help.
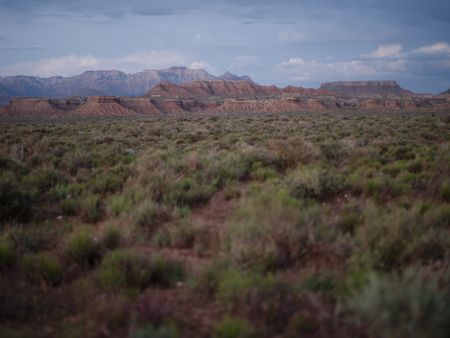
x: 275, y: 225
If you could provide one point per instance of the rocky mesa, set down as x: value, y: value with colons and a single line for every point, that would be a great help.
x: 103, y: 82
x: 218, y: 97
x: 367, y: 88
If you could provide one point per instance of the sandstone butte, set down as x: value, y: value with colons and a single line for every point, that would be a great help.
x: 238, y: 96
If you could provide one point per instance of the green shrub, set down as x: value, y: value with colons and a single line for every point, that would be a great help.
x: 119, y: 205
x: 8, y: 255
x: 334, y: 152
x: 149, y: 331
x: 149, y: 214
x: 301, y: 325
x: 350, y: 217
x: 230, y: 327
x: 162, y: 238
x: 34, y: 238
x: 394, y: 238
x: 42, y: 180
x: 438, y: 217
x: 15, y: 204
x: 42, y: 268
x: 316, y: 183
x: 445, y: 191
x: 403, y: 307
x: 293, y: 151
x: 189, y: 193
x: 166, y: 273
x: 111, y: 236
x: 58, y: 193
x: 106, y: 183
x: 83, y: 248
x: 324, y: 284
x: 271, y: 230
x: 234, y: 286
x: 127, y: 269
x: 262, y: 174
x: 183, y: 236
x: 91, y: 209
x: 69, y: 207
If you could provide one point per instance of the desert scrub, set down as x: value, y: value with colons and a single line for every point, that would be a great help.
x: 293, y: 151
x: 270, y: 230
x: 262, y: 298
x: 42, y: 268
x: 91, y: 208
x: 230, y: 327
x: 445, y: 190
x: 8, y: 254
x: 391, y: 239
x: 15, y: 202
x: 135, y: 270
x: 83, y: 248
x: 149, y: 214
x: 316, y: 183
x: 148, y: 330
x: 350, y: 218
x: 188, y: 192
x: 111, y: 236
x: 35, y: 237
x: 235, y: 285
x: 334, y: 152
x: 402, y: 306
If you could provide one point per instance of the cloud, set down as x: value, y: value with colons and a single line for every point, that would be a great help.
x: 290, y: 37
x: 386, y: 62
x: 146, y: 59
x: 203, y: 65
x: 24, y: 48
x: 244, y: 61
x: 297, y: 69
x: 384, y: 51
x: 66, y: 65
x: 437, y: 48
x: 69, y: 65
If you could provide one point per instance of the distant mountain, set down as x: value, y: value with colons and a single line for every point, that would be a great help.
x: 367, y: 88
x: 447, y: 92
x: 216, y: 97
x: 218, y: 88
x: 103, y: 82
x: 236, y: 88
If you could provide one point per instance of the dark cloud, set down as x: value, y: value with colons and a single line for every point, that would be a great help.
x: 326, y: 34
x: 435, y: 10
x: 15, y: 49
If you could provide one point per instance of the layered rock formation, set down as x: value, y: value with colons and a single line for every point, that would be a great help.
x: 97, y: 83
x: 216, y: 97
x: 367, y: 88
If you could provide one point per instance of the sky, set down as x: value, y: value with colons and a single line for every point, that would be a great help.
x: 284, y: 42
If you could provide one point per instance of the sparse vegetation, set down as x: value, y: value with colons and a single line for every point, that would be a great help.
x: 312, y: 225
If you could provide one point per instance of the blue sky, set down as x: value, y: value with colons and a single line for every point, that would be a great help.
x: 302, y: 42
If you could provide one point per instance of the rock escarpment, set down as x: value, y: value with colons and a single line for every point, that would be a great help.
x: 367, y: 88
x: 217, y: 97
x: 102, y: 82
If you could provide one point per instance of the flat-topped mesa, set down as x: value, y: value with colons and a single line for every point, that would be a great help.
x: 367, y: 88
x: 213, y: 88
x: 30, y: 107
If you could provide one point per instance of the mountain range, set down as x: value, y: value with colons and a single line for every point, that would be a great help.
x: 100, y: 83
x: 221, y: 97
